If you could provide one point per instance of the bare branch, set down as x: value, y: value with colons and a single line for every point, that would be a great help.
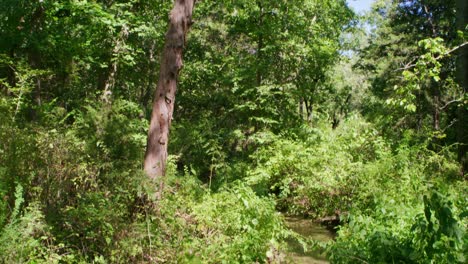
x: 449, y: 103
x: 455, y: 48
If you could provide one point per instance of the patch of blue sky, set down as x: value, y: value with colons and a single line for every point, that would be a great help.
x: 360, y: 6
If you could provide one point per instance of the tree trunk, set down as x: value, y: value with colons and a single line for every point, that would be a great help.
x: 164, y: 98
x: 462, y: 76
x: 309, y: 109
x: 109, y: 83
x: 145, y: 96
x: 259, y: 46
x: 435, y: 106
x: 301, y: 108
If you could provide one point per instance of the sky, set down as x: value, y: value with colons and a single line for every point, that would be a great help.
x: 360, y: 5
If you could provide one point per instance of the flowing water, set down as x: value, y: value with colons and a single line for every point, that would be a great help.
x: 309, y: 229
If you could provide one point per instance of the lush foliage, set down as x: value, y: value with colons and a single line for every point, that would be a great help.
x: 294, y: 107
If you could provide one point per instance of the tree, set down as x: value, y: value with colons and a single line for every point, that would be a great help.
x: 231, y: 91
x: 164, y: 98
x: 399, y: 53
x: 462, y: 76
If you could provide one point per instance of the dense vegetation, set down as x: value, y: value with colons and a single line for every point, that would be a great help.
x: 297, y: 107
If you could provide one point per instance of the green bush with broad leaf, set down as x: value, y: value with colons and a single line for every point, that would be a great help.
x: 433, y: 231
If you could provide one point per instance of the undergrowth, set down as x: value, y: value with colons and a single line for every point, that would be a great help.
x: 80, y: 198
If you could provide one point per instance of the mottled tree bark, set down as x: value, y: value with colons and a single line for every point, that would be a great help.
x: 164, y: 98
x: 462, y: 76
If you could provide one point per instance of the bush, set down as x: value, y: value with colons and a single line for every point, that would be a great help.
x: 192, y: 224
x: 26, y: 238
x: 236, y: 226
x: 319, y: 176
x: 423, y: 233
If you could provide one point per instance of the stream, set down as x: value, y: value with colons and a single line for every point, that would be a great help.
x: 310, y: 229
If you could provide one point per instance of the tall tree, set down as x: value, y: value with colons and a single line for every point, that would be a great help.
x: 462, y: 76
x: 164, y: 98
x: 396, y: 48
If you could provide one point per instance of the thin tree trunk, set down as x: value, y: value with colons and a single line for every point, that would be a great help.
x: 145, y: 96
x: 11, y: 77
x: 436, y: 110
x: 309, y: 109
x: 462, y: 76
x: 164, y: 98
x: 259, y: 46
x: 110, y: 80
x: 301, y: 108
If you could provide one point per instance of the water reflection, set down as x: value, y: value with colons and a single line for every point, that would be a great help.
x: 309, y: 229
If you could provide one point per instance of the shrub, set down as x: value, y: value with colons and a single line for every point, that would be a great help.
x: 26, y: 237
x: 430, y: 232
x: 321, y: 175
x: 236, y: 226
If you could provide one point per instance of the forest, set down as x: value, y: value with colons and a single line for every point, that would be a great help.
x: 199, y: 131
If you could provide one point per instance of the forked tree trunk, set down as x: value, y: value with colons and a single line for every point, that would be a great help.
x: 164, y: 98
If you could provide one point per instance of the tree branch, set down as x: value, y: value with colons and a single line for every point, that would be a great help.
x: 411, y: 64
x: 449, y: 103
